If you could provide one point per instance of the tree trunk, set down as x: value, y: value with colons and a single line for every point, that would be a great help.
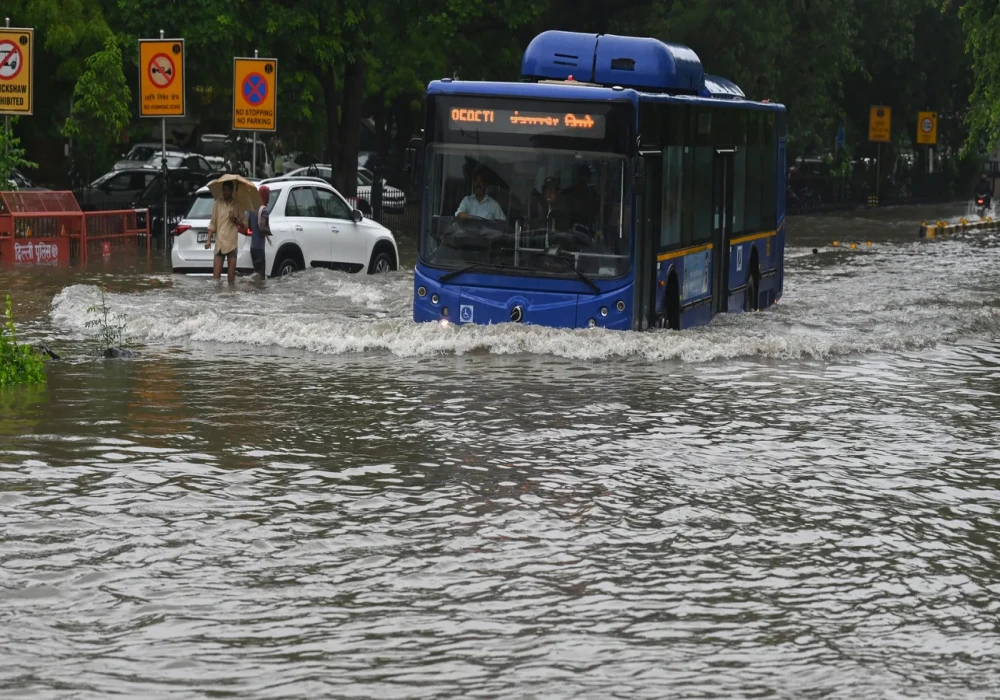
x: 350, y: 127
x: 405, y: 118
x: 331, y: 97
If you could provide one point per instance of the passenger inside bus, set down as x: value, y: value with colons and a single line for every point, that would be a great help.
x: 549, y: 212
x: 583, y: 198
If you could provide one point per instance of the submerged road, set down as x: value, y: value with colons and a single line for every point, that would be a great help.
x: 297, y: 492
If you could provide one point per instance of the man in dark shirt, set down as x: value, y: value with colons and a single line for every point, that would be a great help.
x: 984, y: 189
x: 260, y: 230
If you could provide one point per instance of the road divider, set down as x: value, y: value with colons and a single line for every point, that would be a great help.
x: 940, y: 229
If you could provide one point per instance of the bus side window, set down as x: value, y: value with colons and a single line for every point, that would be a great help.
x: 769, y: 173
x: 673, y: 181
x: 754, y: 172
x: 704, y: 161
x: 739, y: 173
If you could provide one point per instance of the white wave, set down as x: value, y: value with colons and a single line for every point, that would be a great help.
x: 900, y: 297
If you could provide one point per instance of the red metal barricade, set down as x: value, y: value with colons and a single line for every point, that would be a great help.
x: 40, y: 228
x: 110, y: 232
x: 48, y: 228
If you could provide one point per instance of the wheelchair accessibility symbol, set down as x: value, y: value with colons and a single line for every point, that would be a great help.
x: 465, y: 313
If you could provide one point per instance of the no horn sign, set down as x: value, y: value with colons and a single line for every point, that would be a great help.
x: 161, y: 77
x: 255, y: 86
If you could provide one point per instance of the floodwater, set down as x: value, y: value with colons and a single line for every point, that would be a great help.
x: 295, y: 492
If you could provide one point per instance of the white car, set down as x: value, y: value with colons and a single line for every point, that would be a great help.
x: 393, y: 199
x: 311, y: 226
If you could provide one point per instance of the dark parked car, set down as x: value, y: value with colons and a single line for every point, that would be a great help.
x: 21, y: 183
x: 181, y: 159
x: 116, y: 189
x: 182, y: 189
x: 137, y: 155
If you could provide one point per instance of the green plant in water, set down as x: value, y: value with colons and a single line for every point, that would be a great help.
x: 19, y: 364
x: 110, y: 329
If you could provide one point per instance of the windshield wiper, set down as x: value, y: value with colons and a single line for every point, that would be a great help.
x: 469, y: 268
x: 589, y: 282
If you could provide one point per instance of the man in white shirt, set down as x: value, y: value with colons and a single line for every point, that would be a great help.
x: 480, y: 204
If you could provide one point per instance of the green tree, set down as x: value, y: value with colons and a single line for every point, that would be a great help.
x: 66, y: 31
x: 12, y: 155
x: 100, y: 108
x: 982, y: 30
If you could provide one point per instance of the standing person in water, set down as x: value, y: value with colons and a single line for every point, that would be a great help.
x: 224, y: 226
x: 260, y: 230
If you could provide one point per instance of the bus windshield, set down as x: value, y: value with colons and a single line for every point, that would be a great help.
x: 519, y: 210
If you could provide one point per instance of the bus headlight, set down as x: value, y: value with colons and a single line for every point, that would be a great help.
x: 421, y: 291
x: 444, y: 311
x: 604, y: 311
x: 591, y: 323
x: 434, y: 298
x: 620, y: 305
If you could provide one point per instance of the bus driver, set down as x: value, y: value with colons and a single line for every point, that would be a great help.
x: 480, y: 204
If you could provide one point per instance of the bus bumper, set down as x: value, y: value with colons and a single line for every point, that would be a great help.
x: 466, y: 304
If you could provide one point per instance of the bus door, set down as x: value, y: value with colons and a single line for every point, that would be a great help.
x: 647, y: 236
x: 722, y: 224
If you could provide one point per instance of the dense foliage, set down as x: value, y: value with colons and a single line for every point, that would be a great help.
x: 100, y: 109
x: 341, y: 60
x: 12, y: 154
x: 19, y: 364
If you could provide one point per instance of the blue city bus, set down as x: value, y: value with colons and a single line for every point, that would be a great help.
x: 617, y: 186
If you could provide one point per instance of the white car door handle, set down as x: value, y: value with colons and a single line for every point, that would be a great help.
x: 298, y: 228
x: 335, y: 229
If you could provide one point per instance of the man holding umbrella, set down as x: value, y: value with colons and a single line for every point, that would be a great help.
x: 234, y: 195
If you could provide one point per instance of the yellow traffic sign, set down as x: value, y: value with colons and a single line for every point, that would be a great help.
x: 16, y: 70
x: 255, y: 85
x: 161, y: 77
x: 879, y: 122
x: 927, y: 128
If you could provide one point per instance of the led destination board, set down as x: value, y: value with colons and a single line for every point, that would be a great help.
x: 518, y: 122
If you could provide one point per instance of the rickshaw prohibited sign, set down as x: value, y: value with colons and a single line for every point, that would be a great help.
x: 16, y: 71
x: 161, y: 77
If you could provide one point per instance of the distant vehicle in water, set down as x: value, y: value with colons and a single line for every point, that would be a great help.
x: 633, y: 191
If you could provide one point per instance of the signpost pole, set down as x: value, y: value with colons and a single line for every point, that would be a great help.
x: 163, y: 170
x: 878, y: 168
x: 255, y: 138
x: 6, y: 118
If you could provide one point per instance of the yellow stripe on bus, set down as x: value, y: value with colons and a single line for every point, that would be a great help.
x: 682, y: 253
x: 753, y: 237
